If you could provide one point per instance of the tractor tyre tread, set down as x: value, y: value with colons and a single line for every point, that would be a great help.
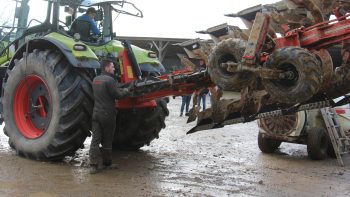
x: 70, y: 122
x: 228, y: 50
x: 309, y: 75
x: 138, y: 127
x: 267, y: 145
x: 317, y: 143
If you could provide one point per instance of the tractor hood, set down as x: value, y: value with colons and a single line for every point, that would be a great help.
x: 116, y: 47
x: 146, y: 59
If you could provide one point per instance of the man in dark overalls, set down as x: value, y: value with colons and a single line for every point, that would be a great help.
x: 106, y: 90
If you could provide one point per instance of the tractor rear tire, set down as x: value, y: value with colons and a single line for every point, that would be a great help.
x: 307, y: 75
x: 267, y: 145
x: 317, y: 143
x: 230, y: 50
x: 138, y: 127
x: 47, y: 106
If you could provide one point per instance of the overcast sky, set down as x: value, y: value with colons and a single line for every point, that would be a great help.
x: 181, y: 18
x: 165, y: 18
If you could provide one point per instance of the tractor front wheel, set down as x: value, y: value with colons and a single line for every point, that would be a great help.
x: 138, y: 127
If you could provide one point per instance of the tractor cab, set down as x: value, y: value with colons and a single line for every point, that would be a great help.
x: 106, y: 11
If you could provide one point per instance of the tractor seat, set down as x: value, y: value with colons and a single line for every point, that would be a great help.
x: 83, y: 28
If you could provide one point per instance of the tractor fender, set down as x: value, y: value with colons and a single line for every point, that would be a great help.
x: 50, y: 43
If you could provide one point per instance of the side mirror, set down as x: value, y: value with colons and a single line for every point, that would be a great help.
x: 99, y: 15
x: 68, y: 20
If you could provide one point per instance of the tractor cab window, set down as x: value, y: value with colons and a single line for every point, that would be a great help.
x: 66, y: 17
x: 35, y: 17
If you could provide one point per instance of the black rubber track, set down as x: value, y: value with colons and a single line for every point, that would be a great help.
x: 307, y: 72
x: 72, y: 104
x: 228, y: 50
x: 267, y: 145
x: 138, y: 127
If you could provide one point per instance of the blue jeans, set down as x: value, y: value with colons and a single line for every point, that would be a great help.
x: 185, y: 103
x: 201, y: 97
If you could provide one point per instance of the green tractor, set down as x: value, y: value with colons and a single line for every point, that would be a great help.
x: 47, y: 101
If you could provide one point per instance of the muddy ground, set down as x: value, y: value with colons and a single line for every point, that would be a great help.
x: 222, y: 162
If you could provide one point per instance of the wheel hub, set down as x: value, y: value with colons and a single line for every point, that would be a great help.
x: 39, y: 106
x: 281, y: 125
x: 32, y: 106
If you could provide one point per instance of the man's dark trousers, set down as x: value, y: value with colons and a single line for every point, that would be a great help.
x: 103, y: 129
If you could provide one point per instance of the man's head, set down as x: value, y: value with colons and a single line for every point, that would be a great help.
x: 107, y: 66
x: 91, y: 12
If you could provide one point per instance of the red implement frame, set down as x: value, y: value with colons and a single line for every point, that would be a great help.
x: 316, y: 37
x: 322, y: 35
x: 172, y: 85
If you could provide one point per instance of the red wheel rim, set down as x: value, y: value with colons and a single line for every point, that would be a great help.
x: 32, y: 106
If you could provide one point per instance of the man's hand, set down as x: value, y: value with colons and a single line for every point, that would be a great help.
x: 131, y: 86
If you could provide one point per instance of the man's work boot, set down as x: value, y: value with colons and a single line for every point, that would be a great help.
x: 109, y: 166
x: 94, y: 169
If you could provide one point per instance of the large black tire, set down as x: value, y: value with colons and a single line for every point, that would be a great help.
x: 267, y: 145
x: 317, y: 143
x: 138, y: 127
x: 230, y: 50
x: 47, y: 106
x: 307, y: 75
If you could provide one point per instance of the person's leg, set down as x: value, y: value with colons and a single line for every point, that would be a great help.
x: 210, y: 98
x: 182, y: 105
x: 203, y: 99
x: 199, y: 100
x: 188, y: 101
x: 94, y: 152
x: 109, y: 126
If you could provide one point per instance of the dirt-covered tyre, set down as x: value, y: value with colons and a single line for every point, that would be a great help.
x: 230, y: 50
x: 317, y: 143
x: 47, y: 106
x: 267, y: 145
x: 305, y: 79
x: 330, y: 150
x: 138, y: 127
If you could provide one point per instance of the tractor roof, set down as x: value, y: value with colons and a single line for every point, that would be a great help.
x: 88, y: 3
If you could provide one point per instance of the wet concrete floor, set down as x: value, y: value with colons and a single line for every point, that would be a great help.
x: 221, y: 162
